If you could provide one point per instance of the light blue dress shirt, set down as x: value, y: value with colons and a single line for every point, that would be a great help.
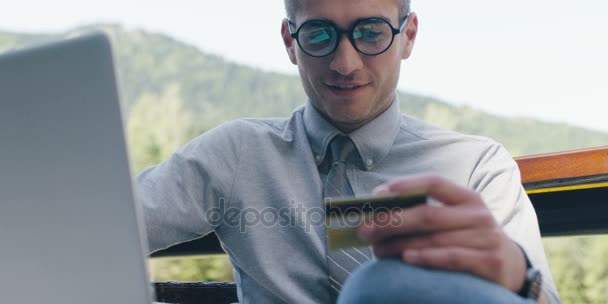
x: 256, y: 184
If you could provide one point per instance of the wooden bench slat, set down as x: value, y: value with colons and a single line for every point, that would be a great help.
x: 567, y: 164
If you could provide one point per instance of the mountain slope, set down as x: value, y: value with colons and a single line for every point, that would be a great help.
x: 213, y: 90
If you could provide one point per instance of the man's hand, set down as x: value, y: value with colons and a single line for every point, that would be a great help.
x: 460, y: 235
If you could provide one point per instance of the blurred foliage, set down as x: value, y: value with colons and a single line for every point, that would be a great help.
x: 172, y: 127
x: 199, y: 268
x: 172, y: 92
x: 579, y: 267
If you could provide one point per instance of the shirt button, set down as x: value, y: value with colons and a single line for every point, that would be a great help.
x: 318, y: 158
x: 369, y: 162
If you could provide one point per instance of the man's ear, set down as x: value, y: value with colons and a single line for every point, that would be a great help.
x: 410, y: 31
x: 290, y: 43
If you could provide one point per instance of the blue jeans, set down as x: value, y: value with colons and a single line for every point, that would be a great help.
x: 389, y: 281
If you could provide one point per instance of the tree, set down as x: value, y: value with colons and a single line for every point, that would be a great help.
x: 157, y: 126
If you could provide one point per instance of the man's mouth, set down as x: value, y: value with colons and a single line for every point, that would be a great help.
x: 346, y: 89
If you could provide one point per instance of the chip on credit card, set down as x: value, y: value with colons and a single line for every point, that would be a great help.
x: 344, y: 215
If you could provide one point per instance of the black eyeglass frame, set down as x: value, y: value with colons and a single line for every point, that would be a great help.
x: 350, y: 32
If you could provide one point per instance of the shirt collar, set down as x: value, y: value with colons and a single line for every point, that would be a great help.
x: 373, y: 140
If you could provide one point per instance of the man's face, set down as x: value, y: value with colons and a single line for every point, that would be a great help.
x: 347, y: 87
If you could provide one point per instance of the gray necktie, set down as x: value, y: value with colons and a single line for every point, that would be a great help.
x: 341, y: 262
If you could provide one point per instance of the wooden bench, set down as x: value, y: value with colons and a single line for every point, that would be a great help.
x: 569, y: 191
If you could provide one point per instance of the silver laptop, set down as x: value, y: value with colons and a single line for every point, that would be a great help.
x: 70, y: 231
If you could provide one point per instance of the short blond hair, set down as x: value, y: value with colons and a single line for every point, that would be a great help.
x: 291, y: 6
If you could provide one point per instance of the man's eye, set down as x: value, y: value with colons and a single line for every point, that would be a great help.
x: 368, y: 35
x: 317, y: 36
x: 371, y: 35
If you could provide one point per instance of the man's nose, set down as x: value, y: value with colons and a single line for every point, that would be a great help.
x: 346, y: 59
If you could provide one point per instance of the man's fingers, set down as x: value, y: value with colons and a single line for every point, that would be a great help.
x: 423, y: 220
x: 468, y: 238
x: 435, y: 186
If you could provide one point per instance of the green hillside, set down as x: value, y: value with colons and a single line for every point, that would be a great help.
x: 213, y: 90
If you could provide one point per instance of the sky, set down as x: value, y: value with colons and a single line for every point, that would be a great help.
x: 545, y: 59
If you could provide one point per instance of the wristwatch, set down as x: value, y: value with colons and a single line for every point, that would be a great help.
x: 532, y: 284
x: 532, y: 281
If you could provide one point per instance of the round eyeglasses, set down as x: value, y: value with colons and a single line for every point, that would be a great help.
x: 370, y: 36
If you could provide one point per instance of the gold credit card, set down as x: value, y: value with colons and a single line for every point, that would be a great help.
x: 344, y: 215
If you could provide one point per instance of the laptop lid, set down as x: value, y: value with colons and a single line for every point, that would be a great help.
x: 70, y: 231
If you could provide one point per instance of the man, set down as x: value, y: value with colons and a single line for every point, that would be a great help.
x: 259, y: 184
